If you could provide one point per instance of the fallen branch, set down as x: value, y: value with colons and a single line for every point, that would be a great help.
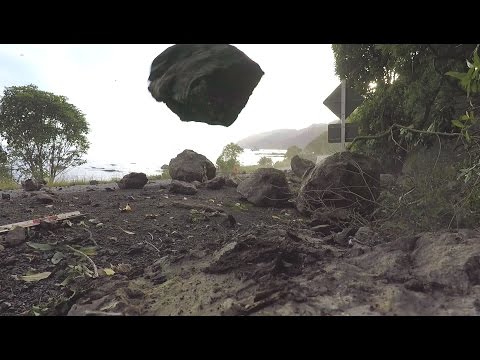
x: 149, y: 243
x: 388, y: 131
x: 95, y: 270
x: 91, y: 237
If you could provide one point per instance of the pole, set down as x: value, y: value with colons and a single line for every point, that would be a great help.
x: 344, y: 100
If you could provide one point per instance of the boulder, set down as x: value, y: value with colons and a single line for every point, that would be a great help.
x: 300, y: 165
x: 209, y: 83
x: 93, y: 182
x: 182, y: 187
x: 133, y: 181
x: 216, y: 183
x: 190, y: 166
x: 343, y: 180
x: 44, y: 198
x: 231, y: 183
x: 266, y: 187
x: 32, y: 185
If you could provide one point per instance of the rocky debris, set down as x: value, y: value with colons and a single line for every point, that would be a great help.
x: 343, y: 180
x: 15, y: 237
x: 182, y: 187
x: 231, y: 182
x: 209, y: 83
x: 266, y: 187
x: 93, y: 182
x: 216, y: 183
x: 190, y: 166
x: 197, y: 184
x: 300, y: 165
x: 387, y: 180
x: 5, y: 196
x: 32, y: 185
x: 133, y: 181
x: 44, y: 198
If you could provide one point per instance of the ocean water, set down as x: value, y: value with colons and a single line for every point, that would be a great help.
x: 115, y: 169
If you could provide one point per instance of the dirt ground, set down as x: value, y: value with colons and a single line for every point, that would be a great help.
x: 213, y: 254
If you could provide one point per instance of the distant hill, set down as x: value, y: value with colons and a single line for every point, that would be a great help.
x: 283, y: 138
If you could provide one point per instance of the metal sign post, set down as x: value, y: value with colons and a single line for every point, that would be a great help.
x: 342, y: 102
x: 342, y: 119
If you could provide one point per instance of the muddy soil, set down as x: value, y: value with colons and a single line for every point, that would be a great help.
x: 213, y: 254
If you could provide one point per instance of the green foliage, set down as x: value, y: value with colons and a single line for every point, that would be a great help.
x: 292, y: 151
x: 404, y: 84
x: 321, y: 146
x: 265, y: 162
x: 45, y: 135
x: 228, y: 160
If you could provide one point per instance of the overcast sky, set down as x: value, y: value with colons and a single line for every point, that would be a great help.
x: 109, y: 84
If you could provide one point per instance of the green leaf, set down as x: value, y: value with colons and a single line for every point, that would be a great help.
x: 467, y: 136
x: 458, y: 124
x: 476, y: 58
x: 35, y: 277
x: 89, y: 250
x: 456, y: 74
x: 109, y: 271
x: 39, y: 246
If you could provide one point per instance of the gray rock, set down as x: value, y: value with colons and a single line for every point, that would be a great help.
x: 133, y: 181
x: 190, y: 166
x: 31, y: 185
x: 300, y: 165
x: 44, y: 198
x: 231, y: 183
x: 182, y: 187
x: 16, y: 236
x: 216, y: 183
x: 5, y: 196
x: 266, y: 187
x: 343, y: 180
x: 209, y: 83
x: 93, y: 182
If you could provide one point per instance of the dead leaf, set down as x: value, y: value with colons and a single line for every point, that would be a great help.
x: 127, y: 232
x: 35, y: 277
x: 276, y: 217
x: 126, y: 208
x: 112, y: 238
x: 150, y: 216
x: 109, y: 272
x: 89, y: 250
x: 41, y: 247
x: 68, y: 223
x: 57, y: 257
x: 49, y: 206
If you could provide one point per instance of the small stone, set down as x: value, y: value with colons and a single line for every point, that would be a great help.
x: 44, y: 198
x: 134, y: 293
x: 5, y: 196
x: 135, y: 249
x: 16, y: 236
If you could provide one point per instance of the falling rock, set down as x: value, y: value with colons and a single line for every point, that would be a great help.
x: 209, y: 83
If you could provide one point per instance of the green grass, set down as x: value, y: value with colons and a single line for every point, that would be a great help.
x: 8, y: 184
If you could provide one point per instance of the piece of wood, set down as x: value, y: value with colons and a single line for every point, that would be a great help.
x: 35, y: 222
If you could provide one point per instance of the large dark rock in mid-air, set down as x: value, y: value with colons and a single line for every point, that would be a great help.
x: 209, y: 83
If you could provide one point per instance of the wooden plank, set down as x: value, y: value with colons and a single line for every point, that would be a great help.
x: 35, y: 222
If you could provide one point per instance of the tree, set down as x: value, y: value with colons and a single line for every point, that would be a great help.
x: 45, y: 135
x: 228, y: 159
x: 292, y: 151
x: 265, y: 162
x: 403, y: 84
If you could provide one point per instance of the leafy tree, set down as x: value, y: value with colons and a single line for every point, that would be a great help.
x: 265, y: 162
x: 45, y: 135
x: 228, y: 159
x: 403, y: 84
x: 292, y: 151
